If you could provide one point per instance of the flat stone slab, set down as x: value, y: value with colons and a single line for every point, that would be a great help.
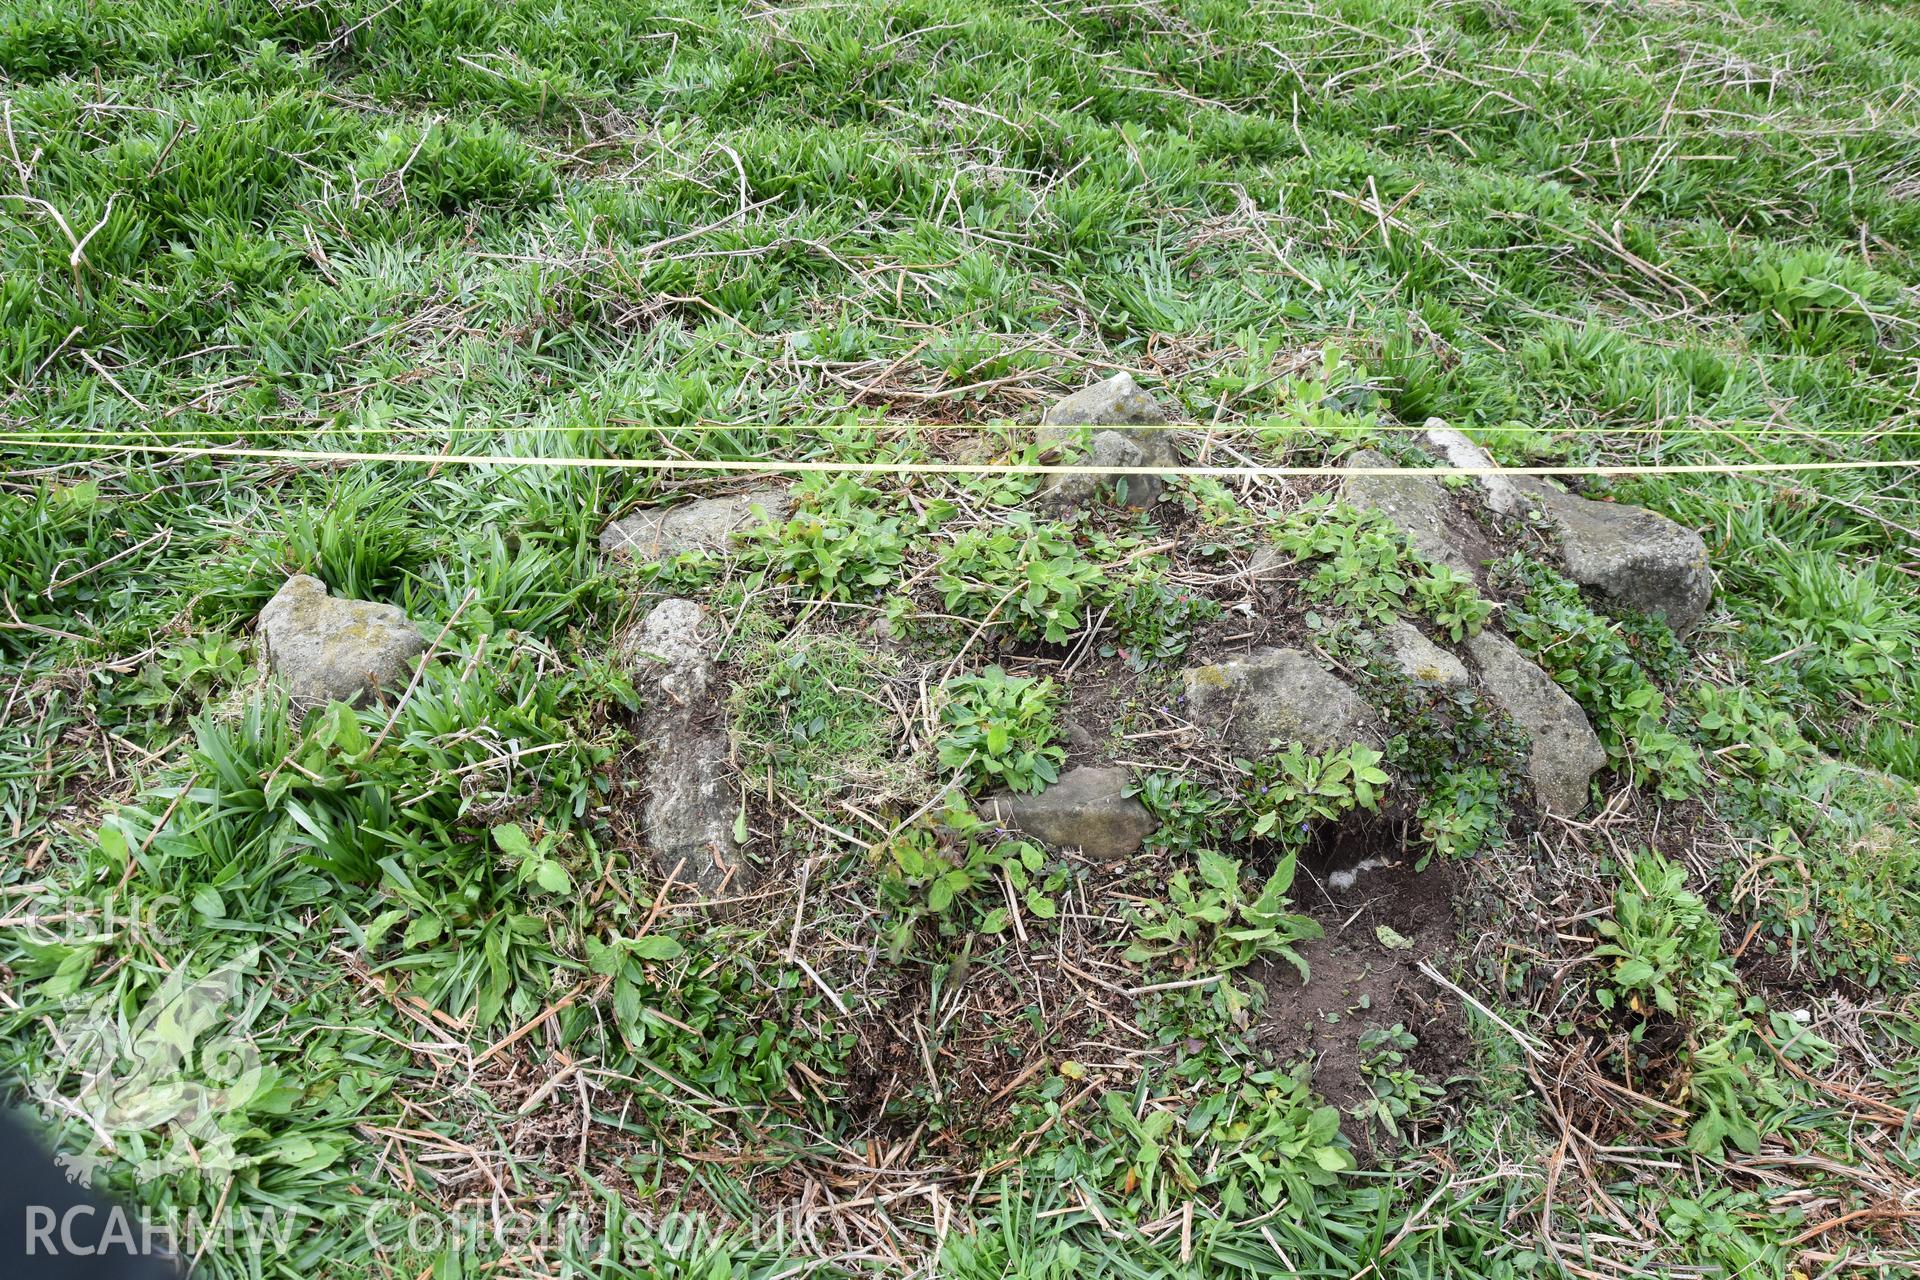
x: 1087, y: 809
x: 1420, y: 659
x: 327, y: 648
x: 1565, y: 751
x: 1271, y: 698
x: 671, y: 648
x: 691, y: 803
x: 691, y: 808
x: 706, y: 524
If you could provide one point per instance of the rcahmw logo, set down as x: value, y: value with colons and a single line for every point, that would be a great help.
x: 152, y: 1088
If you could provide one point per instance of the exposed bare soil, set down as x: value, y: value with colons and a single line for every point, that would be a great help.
x: 1363, y: 978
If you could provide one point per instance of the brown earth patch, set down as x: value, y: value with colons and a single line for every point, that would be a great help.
x: 1363, y: 978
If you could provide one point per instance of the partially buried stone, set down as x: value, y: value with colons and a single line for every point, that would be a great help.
x: 1416, y: 504
x: 1625, y: 554
x: 1565, y: 751
x: 1420, y: 659
x: 1276, y: 697
x: 1114, y: 404
x: 325, y: 648
x: 707, y: 524
x: 1633, y: 556
x: 691, y: 807
x: 1087, y: 809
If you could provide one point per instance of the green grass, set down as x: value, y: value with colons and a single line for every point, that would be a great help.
x: 1595, y: 234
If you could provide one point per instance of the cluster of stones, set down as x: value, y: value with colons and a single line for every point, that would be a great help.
x: 326, y: 648
x: 1247, y: 704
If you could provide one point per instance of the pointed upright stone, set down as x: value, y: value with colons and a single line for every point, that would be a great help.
x: 1117, y: 402
x: 1112, y: 405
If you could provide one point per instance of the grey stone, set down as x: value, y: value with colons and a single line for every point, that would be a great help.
x: 1060, y: 494
x: 1117, y: 402
x: 1087, y: 809
x: 1279, y: 696
x: 1266, y: 561
x: 1627, y: 554
x: 707, y: 524
x: 1565, y: 752
x: 1416, y: 504
x: 690, y: 810
x: 1633, y: 556
x: 691, y: 804
x: 325, y: 648
x: 675, y: 632
x: 1420, y: 659
x: 671, y: 647
x: 1505, y: 494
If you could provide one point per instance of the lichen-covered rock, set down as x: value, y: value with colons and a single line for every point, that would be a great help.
x: 671, y: 647
x: 1633, y: 556
x: 691, y: 804
x: 1416, y: 504
x: 1565, y: 751
x: 1087, y: 809
x: 1419, y: 659
x: 1117, y: 402
x: 1277, y: 696
x: 675, y: 632
x: 325, y: 648
x: 1626, y: 554
x: 708, y: 524
x: 691, y: 809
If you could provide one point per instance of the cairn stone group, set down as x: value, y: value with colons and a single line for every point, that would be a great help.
x: 323, y: 647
